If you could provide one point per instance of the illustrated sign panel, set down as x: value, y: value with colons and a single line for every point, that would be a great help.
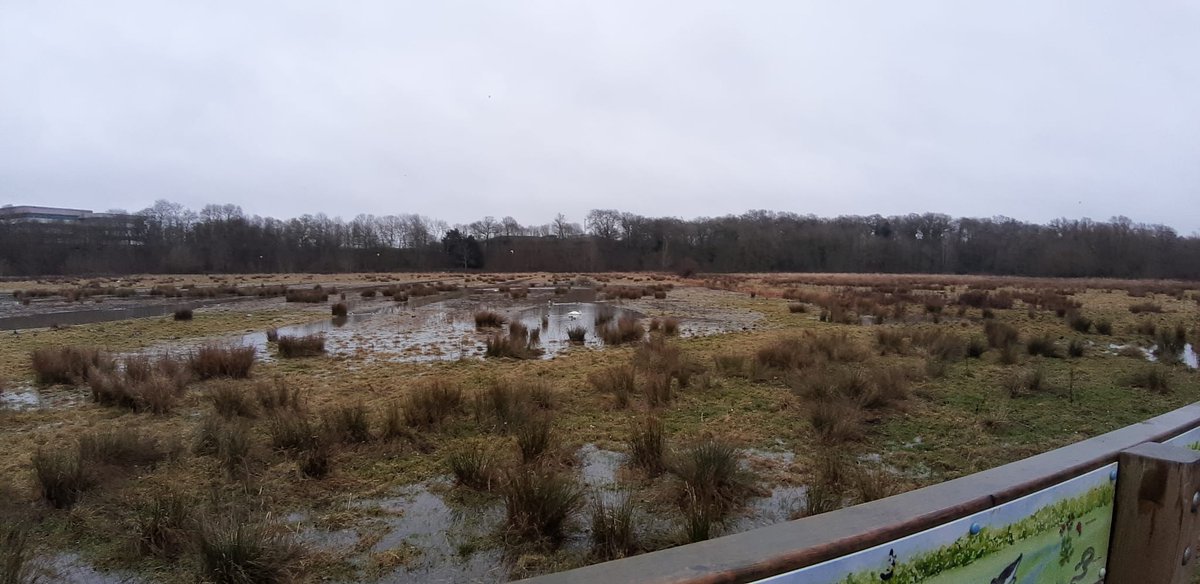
x: 1189, y: 439
x: 1054, y: 536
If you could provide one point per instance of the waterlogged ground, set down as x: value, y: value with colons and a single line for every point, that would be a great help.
x: 389, y: 510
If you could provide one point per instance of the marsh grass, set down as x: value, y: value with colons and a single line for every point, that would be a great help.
x: 619, y: 381
x: 539, y: 502
x: 216, y: 360
x: 290, y: 430
x: 613, y: 530
x: 647, y: 445
x: 731, y: 364
x: 231, y: 400
x: 820, y: 497
x: 276, y: 396
x: 234, y: 446
x: 701, y: 519
x: 348, y: 423
x: 60, y: 476
x: 488, y: 319
x: 1027, y: 381
x: 316, y: 461
x: 165, y: 525
x: 69, y: 365
x: 19, y: 562
x: 429, y: 404
x: 710, y: 471
x: 301, y: 346
x: 534, y: 438
x: 626, y: 330
x: 1151, y: 378
x: 577, y: 335
x: 122, y: 447
x: 473, y: 465
x: 1042, y: 345
x: 1076, y: 347
x: 836, y: 421
x: 1000, y: 335
x: 232, y: 550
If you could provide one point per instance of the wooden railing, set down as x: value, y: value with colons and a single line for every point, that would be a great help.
x: 1145, y: 533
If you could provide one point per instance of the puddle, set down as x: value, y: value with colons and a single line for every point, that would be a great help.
x: 561, y: 317
x: 29, y: 397
x: 1188, y: 356
x: 71, y: 568
x: 443, y: 536
x: 774, y: 508
x: 598, y: 466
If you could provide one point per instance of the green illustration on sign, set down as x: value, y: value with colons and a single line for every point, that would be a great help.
x: 1059, y: 535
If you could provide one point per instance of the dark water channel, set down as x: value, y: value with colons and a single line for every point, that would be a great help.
x: 77, y: 317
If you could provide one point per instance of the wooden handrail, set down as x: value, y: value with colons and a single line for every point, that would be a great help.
x: 787, y: 546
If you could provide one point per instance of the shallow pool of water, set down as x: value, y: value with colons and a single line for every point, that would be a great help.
x: 562, y: 317
x: 443, y: 534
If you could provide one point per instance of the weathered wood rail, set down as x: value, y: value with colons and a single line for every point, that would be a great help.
x: 1154, y: 529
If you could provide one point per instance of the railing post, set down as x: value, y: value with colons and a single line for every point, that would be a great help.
x: 1155, y: 523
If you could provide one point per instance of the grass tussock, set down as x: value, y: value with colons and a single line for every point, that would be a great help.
x: 668, y: 326
x: 429, y: 404
x: 871, y: 388
x: 711, y: 473
x: 277, y: 396
x: 1000, y: 334
x: 348, y: 424
x: 314, y: 296
x: 122, y: 448
x: 618, y: 381
x: 165, y: 525
x: 488, y: 319
x: 301, y: 345
x: 60, y: 476
x: 232, y: 400
x: 517, y: 344
x: 647, y: 446
x: 837, y: 421
x: 216, y: 360
x: 1151, y: 378
x: 474, y: 466
x: 231, y: 550
x: 534, y: 438
x: 539, y: 502
x: 577, y: 335
x: 19, y: 562
x: 613, y: 528
x: 626, y: 330
x: 1042, y: 345
x: 68, y: 365
x: 1027, y: 381
x: 157, y: 393
x: 731, y: 364
x: 809, y: 349
x: 1145, y: 308
x: 1076, y: 348
x: 183, y: 314
x: 289, y: 431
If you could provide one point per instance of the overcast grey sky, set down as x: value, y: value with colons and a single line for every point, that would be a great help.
x: 1032, y: 109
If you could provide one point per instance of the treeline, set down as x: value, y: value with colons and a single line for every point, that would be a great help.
x: 168, y: 238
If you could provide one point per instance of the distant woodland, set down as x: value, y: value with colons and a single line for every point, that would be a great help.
x: 168, y: 238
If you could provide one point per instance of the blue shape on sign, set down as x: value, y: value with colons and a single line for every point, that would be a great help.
x: 1112, y: 475
x: 975, y: 528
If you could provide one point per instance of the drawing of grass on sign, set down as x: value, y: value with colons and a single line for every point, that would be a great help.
x: 1061, y: 542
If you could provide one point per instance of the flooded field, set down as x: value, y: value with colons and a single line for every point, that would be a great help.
x: 387, y: 444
